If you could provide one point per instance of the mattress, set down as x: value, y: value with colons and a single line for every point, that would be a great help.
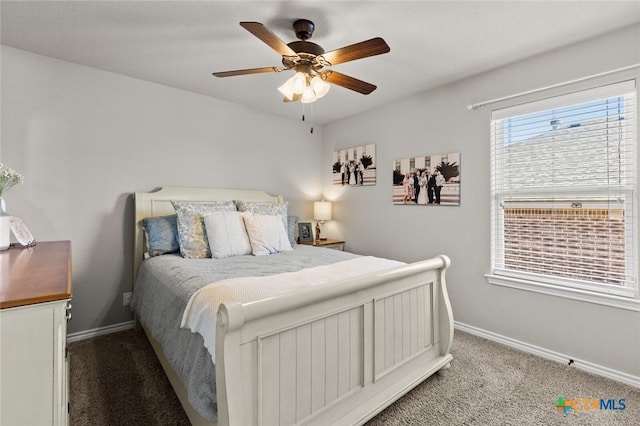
x: 164, y: 286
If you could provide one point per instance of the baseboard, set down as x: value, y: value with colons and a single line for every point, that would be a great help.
x: 587, y: 366
x: 100, y: 331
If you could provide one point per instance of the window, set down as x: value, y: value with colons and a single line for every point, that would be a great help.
x: 564, y: 190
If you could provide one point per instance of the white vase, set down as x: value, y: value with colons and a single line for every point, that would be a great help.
x: 5, y: 226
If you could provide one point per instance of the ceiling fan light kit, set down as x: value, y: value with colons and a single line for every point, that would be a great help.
x: 309, y: 60
x: 311, y: 88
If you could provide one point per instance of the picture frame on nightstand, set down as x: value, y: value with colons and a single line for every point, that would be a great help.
x: 305, y: 232
x: 21, y: 232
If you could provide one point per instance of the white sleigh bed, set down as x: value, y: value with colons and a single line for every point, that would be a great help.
x: 333, y: 354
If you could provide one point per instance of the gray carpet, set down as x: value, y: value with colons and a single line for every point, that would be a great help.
x: 117, y: 381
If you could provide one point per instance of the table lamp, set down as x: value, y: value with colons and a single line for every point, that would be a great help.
x: 321, y: 213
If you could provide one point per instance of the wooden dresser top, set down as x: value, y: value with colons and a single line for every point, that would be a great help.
x: 36, y: 274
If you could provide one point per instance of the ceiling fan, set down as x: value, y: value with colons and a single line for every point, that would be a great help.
x: 310, y: 62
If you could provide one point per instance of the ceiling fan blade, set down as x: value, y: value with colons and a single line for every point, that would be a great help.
x: 247, y: 71
x: 349, y: 82
x: 269, y: 38
x: 364, y: 49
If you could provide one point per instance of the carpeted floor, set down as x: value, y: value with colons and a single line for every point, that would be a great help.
x: 117, y: 381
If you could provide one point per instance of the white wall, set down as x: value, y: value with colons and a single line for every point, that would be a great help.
x: 85, y: 140
x: 438, y: 122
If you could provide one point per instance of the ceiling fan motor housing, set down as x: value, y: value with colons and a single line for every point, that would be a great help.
x: 306, y: 47
x: 307, y: 51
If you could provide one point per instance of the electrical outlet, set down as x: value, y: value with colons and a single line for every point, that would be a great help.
x: 126, y: 299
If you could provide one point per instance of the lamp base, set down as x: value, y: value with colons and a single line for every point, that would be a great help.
x: 322, y: 239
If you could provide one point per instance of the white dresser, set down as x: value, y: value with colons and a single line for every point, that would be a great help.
x: 35, y: 294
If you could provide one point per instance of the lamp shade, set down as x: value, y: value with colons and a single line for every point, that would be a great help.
x: 319, y: 86
x: 287, y: 90
x: 308, y: 96
x: 298, y: 83
x: 322, y: 210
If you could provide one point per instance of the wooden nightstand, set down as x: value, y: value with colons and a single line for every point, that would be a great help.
x: 330, y: 244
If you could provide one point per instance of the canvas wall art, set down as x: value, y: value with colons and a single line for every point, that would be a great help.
x: 427, y: 180
x: 355, y: 166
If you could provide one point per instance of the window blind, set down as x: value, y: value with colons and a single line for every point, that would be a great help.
x: 563, y: 190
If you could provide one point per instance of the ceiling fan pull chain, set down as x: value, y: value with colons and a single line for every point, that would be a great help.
x: 310, y: 116
x: 304, y: 116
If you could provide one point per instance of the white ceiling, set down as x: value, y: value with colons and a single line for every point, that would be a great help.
x: 180, y: 43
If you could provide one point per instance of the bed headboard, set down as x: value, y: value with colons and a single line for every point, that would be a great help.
x: 158, y: 203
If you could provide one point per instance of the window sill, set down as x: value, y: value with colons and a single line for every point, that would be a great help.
x: 628, y: 303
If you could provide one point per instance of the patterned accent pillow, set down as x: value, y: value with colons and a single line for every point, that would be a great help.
x: 292, y: 221
x: 267, y: 208
x: 191, y: 231
x: 161, y: 235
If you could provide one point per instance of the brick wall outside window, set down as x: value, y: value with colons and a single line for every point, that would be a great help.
x: 580, y: 243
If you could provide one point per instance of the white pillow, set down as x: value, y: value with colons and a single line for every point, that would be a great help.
x: 267, y: 233
x: 226, y: 234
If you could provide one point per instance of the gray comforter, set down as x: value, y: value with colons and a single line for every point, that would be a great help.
x: 164, y: 286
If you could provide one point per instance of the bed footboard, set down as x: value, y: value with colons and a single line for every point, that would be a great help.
x: 333, y: 354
